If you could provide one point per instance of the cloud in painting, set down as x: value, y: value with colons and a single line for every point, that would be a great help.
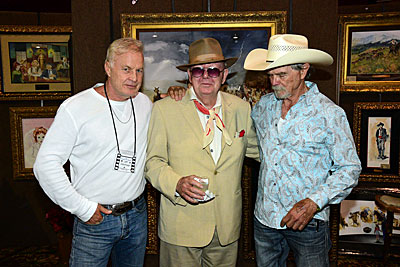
x: 170, y: 49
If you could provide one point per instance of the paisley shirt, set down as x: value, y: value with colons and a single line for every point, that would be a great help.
x: 311, y: 156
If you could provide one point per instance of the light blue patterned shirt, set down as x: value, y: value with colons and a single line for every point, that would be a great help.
x: 312, y: 155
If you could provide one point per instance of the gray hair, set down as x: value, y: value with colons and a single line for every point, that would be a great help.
x: 299, y: 67
x: 121, y: 46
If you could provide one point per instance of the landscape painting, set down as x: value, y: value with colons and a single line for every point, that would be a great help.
x: 370, y: 52
x: 375, y: 55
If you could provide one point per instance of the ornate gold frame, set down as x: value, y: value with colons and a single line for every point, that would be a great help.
x: 372, y: 22
x: 17, y: 114
x: 276, y: 20
x: 247, y: 240
x: 362, y: 110
x: 6, y: 30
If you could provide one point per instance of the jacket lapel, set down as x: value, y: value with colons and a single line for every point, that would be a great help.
x: 227, y: 118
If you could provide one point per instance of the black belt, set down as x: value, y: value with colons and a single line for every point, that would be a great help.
x: 121, y: 208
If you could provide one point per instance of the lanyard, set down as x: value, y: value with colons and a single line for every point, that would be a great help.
x: 115, y: 128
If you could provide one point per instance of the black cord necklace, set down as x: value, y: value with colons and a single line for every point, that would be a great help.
x: 119, y: 155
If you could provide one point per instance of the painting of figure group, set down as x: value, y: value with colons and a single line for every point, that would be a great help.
x: 254, y: 87
x: 256, y: 84
x: 375, y: 53
x: 365, y: 218
x: 36, y: 63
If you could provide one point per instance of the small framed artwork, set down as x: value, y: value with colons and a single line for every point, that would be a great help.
x: 376, y: 134
x: 36, y: 62
x: 362, y: 223
x: 167, y: 38
x: 29, y: 126
x: 370, y: 52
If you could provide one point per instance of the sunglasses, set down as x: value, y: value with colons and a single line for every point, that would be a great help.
x: 211, y: 72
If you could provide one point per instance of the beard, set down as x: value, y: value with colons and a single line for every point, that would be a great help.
x: 280, y: 92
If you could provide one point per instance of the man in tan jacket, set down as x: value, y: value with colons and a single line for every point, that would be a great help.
x: 206, y: 135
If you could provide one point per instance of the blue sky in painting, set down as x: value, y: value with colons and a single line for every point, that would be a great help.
x: 170, y: 49
x: 370, y: 37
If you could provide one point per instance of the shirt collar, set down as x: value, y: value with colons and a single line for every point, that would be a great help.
x: 312, y: 90
x: 193, y: 96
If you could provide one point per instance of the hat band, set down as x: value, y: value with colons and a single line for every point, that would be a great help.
x: 286, y: 48
x: 206, y: 57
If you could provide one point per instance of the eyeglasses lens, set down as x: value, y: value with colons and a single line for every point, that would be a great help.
x: 212, y: 72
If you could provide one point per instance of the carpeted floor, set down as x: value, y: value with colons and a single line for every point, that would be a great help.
x: 48, y: 256
x: 30, y: 256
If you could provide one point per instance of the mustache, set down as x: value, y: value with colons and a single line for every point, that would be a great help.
x: 278, y: 88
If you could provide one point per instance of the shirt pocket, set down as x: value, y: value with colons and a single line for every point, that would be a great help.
x: 312, y: 147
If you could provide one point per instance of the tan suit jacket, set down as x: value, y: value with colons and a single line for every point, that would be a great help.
x: 175, y: 150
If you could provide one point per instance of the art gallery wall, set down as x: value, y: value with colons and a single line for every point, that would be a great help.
x: 97, y: 22
x: 23, y: 219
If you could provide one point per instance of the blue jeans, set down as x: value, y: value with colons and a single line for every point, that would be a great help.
x: 310, y: 246
x: 124, y: 237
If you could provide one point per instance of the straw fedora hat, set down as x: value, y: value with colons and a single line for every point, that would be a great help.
x: 285, y: 49
x: 206, y: 50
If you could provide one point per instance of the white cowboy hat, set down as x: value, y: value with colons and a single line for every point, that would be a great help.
x: 285, y: 49
x: 206, y: 50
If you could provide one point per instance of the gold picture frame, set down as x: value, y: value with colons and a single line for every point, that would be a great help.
x: 376, y: 130
x: 28, y: 127
x: 370, y: 52
x: 140, y: 26
x: 36, y: 62
x: 167, y: 37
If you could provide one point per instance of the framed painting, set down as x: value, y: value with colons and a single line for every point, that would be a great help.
x: 29, y: 126
x: 370, y: 52
x: 376, y: 134
x: 36, y: 62
x: 362, y: 223
x: 167, y: 37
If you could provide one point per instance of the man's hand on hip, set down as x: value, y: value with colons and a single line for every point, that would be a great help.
x: 97, y: 217
x: 300, y: 215
x: 189, y: 189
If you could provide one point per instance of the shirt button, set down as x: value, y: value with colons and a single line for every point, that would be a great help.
x: 215, y: 172
x: 274, y: 183
x: 211, y: 150
x: 276, y: 164
x: 207, y: 116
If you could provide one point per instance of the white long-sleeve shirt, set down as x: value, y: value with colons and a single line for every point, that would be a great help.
x: 83, y: 132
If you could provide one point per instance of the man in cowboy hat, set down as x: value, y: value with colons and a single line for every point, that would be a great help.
x: 381, y: 137
x: 308, y: 156
x: 202, y: 138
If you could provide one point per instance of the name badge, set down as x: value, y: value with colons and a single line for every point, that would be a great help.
x: 125, y: 162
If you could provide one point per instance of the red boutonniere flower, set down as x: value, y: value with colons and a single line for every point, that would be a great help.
x: 241, y: 134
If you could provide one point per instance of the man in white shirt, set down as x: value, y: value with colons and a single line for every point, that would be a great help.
x: 102, y: 132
